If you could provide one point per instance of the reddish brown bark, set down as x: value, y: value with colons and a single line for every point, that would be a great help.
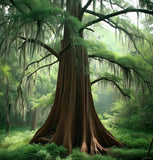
x: 73, y: 121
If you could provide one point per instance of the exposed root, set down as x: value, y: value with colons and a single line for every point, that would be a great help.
x: 96, y: 148
x: 43, y: 140
x: 84, y: 148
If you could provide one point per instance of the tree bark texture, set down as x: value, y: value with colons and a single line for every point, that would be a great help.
x: 73, y: 121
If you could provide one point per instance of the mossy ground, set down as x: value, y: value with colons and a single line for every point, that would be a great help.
x: 14, y: 146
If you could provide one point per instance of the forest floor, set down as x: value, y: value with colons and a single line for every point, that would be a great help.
x: 14, y: 146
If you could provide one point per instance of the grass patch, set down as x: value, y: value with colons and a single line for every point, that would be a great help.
x: 15, y: 138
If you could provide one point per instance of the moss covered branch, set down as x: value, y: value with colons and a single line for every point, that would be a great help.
x: 43, y: 45
x: 127, y: 10
x: 113, y: 82
x: 125, y: 67
x: 115, y: 25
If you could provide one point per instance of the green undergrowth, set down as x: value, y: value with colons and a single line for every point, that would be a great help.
x: 14, y: 146
x: 133, y: 139
x: 17, y: 137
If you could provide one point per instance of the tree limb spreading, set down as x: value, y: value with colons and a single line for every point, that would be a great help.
x: 43, y: 45
x: 47, y: 65
x: 115, y: 25
x: 125, y: 67
x: 86, y: 6
x: 108, y: 79
x: 127, y: 10
x: 37, y: 61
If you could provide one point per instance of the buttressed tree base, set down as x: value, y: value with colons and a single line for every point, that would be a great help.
x: 73, y: 120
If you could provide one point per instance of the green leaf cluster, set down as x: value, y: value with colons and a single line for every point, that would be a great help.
x: 5, y: 69
x: 43, y: 101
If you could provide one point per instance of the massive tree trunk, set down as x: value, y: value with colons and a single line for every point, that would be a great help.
x: 73, y: 120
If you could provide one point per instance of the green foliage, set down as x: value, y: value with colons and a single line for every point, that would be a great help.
x: 77, y: 155
x: 129, y: 154
x: 132, y: 68
x: 14, y: 146
x: 112, y: 76
x: 5, y: 69
x: 99, y: 49
x: 56, y: 151
x: 73, y: 24
x: 128, y: 61
x: 95, y: 46
x: 133, y: 139
x: 33, y: 10
x: 44, y: 101
x: 146, y: 3
x: 8, y: 81
x: 136, y: 113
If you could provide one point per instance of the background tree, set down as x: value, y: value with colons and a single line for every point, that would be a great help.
x: 27, y: 25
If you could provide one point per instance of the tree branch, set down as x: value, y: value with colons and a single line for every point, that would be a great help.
x: 47, y: 65
x: 65, y: 48
x: 43, y: 45
x: 125, y: 67
x: 86, y: 6
x: 102, y: 18
x: 115, y: 25
x: 37, y: 61
x: 108, y: 79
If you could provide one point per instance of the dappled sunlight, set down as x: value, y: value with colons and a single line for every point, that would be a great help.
x: 15, y: 139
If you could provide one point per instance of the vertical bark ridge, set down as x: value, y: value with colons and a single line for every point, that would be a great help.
x: 73, y: 120
x: 67, y: 102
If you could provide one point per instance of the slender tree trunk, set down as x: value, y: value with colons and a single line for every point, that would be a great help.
x: 8, y: 112
x: 149, y: 150
x: 73, y: 120
x: 34, y: 119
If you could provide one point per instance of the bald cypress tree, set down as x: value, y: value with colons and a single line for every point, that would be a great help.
x: 73, y: 120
